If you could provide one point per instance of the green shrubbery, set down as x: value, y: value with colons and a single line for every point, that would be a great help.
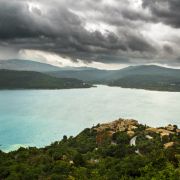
x: 81, y: 158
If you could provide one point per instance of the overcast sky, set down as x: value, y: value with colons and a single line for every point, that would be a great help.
x: 98, y: 33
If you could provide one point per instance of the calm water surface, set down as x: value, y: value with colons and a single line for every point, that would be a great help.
x: 39, y: 117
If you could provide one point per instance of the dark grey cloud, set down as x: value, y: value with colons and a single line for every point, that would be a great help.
x: 168, y: 49
x: 166, y: 11
x: 64, y: 27
x: 18, y: 21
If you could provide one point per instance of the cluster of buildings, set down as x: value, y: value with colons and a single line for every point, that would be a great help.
x: 129, y: 126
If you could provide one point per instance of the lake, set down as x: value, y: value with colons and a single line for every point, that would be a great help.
x: 39, y: 117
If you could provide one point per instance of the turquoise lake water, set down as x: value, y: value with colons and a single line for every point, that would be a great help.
x: 39, y: 117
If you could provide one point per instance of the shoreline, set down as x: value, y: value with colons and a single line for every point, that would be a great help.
x: 15, y: 147
x: 93, y: 86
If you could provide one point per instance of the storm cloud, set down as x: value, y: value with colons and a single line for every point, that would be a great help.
x: 165, y: 11
x: 108, y: 31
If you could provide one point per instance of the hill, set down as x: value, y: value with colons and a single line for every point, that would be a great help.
x: 27, y: 65
x: 142, y: 77
x: 34, y: 80
x: 122, y: 149
x: 149, y: 77
x: 150, y: 82
x: 109, y: 75
x: 150, y: 70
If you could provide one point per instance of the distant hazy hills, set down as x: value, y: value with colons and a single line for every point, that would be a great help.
x: 149, y: 77
x: 96, y: 75
x: 151, y: 82
x: 27, y: 65
x: 150, y: 70
x: 144, y: 76
x: 10, y: 79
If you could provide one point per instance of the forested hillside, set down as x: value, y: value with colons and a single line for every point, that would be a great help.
x: 35, y: 80
x: 123, y: 149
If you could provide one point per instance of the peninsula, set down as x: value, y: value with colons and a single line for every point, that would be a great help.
x: 10, y: 79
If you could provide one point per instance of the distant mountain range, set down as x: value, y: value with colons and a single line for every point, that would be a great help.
x: 149, y: 77
x: 143, y: 77
x: 151, y: 82
x: 106, y: 76
x: 28, y: 65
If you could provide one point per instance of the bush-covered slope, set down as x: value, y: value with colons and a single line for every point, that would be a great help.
x: 100, y: 153
x: 35, y: 80
x: 151, y: 82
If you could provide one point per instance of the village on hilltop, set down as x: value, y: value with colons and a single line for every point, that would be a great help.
x: 131, y: 126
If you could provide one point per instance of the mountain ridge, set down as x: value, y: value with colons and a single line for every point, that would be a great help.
x: 151, y: 77
x: 31, y: 65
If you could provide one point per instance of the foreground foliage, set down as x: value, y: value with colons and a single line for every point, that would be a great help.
x: 82, y: 158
